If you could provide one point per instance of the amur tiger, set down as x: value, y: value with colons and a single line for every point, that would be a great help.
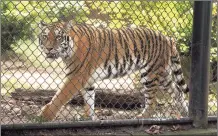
x: 92, y: 54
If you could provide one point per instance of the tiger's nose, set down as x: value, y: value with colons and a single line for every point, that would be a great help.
x: 49, y: 49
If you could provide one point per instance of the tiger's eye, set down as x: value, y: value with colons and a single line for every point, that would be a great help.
x: 44, y: 37
x: 58, y: 37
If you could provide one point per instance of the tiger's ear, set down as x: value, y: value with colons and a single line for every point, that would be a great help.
x: 69, y: 24
x: 42, y: 23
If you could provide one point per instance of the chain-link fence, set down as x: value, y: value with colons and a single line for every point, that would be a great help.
x: 121, y: 53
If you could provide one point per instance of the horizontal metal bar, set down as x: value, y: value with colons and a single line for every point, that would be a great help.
x: 100, y: 123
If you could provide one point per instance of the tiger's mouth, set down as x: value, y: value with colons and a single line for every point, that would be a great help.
x: 52, y: 55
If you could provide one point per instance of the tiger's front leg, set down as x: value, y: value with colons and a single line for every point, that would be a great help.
x: 71, y: 87
x: 89, y: 100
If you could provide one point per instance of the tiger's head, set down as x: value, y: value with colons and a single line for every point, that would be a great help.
x: 54, y: 41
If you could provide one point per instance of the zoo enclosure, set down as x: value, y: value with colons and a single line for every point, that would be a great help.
x: 21, y: 72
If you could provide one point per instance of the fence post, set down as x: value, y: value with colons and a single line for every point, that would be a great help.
x: 200, y: 51
x: 217, y: 57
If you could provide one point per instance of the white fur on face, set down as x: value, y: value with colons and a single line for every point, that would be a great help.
x: 63, y: 46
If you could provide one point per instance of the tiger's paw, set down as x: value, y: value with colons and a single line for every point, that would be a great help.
x: 143, y: 116
x: 176, y: 115
x: 38, y: 119
x: 93, y: 118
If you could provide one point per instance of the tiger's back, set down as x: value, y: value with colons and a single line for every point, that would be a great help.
x: 110, y: 53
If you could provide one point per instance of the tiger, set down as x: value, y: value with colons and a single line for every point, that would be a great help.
x: 93, y: 54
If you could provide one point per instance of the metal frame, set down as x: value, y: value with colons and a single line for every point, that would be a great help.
x: 199, y: 79
x: 102, y: 123
x: 199, y: 84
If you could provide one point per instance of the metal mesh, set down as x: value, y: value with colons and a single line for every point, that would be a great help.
x: 29, y: 80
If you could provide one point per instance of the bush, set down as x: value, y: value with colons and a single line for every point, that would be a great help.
x: 12, y: 31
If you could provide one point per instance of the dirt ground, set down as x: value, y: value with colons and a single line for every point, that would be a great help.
x: 17, y: 109
x: 22, y: 106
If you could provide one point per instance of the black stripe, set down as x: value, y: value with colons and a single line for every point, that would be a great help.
x: 116, y: 58
x: 186, y: 90
x: 162, y: 51
x: 109, y: 71
x: 81, y: 28
x: 181, y: 82
x: 176, y: 61
x: 155, y: 45
x: 150, y: 85
x: 76, y: 31
x: 101, y: 48
x: 149, y: 48
x: 150, y: 82
x: 78, y: 67
x: 152, y: 47
x: 68, y: 38
x: 178, y: 72
x: 146, y: 73
x: 149, y: 97
x: 112, y: 40
x: 138, y: 59
x: 141, y: 41
x: 131, y: 34
x: 90, y: 88
x: 110, y: 51
x: 168, y: 83
x: 87, y: 34
x: 126, y: 45
x: 70, y: 64
x: 124, y: 62
x: 121, y: 69
x: 154, y: 62
x: 72, y: 71
x: 100, y: 37
x: 91, y: 31
x: 164, y: 78
x: 120, y: 38
x: 130, y: 62
x: 104, y: 37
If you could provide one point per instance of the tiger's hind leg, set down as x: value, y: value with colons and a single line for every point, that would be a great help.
x: 149, y: 90
x: 154, y: 83
x: 149, y: 104
x: 179, y: 104
x: 173, y: 98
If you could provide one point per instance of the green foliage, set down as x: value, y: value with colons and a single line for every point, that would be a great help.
x: 13, y: 28
x: 214, y: 33
x: 172, y: 18
x: 20, y: 19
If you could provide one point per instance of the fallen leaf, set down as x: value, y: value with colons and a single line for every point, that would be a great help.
x: 154, y: 129
x: 176, y: 128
